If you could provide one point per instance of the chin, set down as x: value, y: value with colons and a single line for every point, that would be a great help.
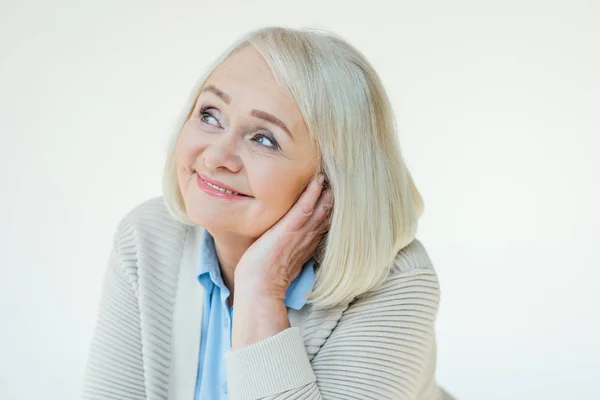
x: 214, y: 221
x: 203, y: 217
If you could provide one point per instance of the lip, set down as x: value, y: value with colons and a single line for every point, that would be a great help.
x: 200, y: 180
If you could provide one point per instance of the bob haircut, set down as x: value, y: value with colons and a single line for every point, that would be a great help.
x: 350, y: 119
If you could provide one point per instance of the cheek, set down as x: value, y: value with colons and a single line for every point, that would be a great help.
x: 277, y: 189
x: 187, y: 147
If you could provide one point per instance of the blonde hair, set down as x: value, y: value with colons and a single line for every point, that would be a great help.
x: 350, y: 119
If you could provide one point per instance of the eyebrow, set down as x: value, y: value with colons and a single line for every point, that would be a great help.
x: 255, y: 113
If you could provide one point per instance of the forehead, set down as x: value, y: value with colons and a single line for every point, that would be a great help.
x: 246, y: 78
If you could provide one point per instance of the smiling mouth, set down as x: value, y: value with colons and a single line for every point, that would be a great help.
x: 222, y: 189
x: 216, y: 190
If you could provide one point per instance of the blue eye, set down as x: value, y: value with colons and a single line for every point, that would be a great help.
x: 262, y: 139
x: 273, y: 143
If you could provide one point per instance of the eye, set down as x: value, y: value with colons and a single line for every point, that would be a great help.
x: 204, y: 113
x: 263, y: 139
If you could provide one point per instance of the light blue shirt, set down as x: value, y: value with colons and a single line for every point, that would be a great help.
x: 211, y: 379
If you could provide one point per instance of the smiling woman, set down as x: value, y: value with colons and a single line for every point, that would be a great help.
x: 281, y: 261
x: 237, y: 137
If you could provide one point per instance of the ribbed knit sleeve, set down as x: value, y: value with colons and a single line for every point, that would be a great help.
x: 383, y: 347
x: 114, y: 368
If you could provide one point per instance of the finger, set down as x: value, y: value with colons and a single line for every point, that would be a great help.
x: 304, y: 208
x: 319, y: 223
x: 322, y: 212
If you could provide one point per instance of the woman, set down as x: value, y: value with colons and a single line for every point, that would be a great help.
x: 244, y: 281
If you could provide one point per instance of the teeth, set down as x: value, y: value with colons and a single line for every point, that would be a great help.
x: 220, y: 188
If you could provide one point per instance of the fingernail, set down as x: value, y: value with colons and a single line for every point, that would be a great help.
x: 321, y: 179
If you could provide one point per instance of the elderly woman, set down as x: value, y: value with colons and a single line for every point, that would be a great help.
x: 246, y: 279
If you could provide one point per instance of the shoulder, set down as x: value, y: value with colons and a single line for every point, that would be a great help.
x: 398, y: 318
x: 151, y: 212
x: 413, y: 268
x: 409, y: 294
x: 147, y: 222
x: 412, y: 283
x: 148, y: 233
x: 412, y: 257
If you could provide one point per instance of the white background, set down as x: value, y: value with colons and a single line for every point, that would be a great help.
x: 498, y: 105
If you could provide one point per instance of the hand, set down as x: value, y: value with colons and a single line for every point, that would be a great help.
x: 273, y: 261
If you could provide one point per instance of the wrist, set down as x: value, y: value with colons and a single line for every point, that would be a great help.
x: 259, y: 285
x: 256, y: 316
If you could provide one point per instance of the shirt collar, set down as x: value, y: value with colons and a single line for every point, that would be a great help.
x: 302, y: 284
x: 209, y: 273
x: 208, y: 269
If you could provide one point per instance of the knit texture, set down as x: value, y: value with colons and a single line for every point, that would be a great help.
x: 379, y: 346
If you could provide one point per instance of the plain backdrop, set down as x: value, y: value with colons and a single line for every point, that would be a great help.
x: 498, y: 108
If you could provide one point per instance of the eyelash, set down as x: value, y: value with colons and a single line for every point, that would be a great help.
x: 275, y: 146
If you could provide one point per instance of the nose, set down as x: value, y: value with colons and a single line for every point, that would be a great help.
x: 222, y: 153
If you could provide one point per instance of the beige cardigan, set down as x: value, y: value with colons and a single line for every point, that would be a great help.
x: 145, y: 345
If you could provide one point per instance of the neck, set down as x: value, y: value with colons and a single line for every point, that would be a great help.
x: 230, y: 247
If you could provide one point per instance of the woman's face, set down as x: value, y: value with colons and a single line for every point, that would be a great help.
x: 246, y: 132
